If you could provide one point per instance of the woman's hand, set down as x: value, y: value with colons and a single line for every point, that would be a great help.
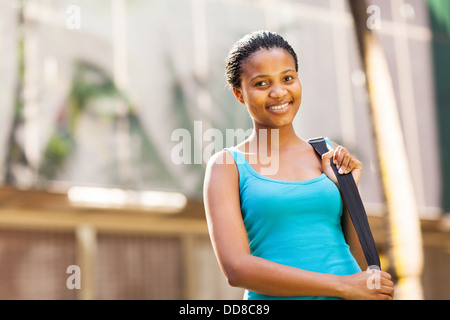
x: 368, y: 285
x: 345, y: 162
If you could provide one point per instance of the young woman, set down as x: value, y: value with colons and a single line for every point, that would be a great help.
x: 278, y: 233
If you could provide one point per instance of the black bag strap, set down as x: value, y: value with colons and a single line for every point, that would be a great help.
x: 355, y: 206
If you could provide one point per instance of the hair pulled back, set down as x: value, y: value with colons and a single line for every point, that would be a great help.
x: 247, y: 46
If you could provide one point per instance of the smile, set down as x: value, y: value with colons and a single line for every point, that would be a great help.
x: 279, y: 107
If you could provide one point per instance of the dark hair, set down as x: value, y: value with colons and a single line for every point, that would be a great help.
x: 247, y: 46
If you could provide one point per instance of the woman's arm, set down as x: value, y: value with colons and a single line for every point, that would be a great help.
x: 230, y: 243
x: 351, y: 237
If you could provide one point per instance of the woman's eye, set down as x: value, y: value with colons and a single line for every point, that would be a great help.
x: 288, y: 78
x: 260, y: 83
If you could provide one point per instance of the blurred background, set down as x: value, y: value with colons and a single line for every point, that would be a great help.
x: 105, y: 108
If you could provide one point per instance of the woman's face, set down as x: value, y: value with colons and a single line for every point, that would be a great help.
x: 270, y: 88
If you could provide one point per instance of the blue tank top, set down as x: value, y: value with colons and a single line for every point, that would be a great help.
x: 294, y: 223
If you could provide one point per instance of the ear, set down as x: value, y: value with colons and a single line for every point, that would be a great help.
x: 238, y: 94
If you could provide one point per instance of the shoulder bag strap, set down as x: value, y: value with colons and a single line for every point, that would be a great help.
x: 355, y: 207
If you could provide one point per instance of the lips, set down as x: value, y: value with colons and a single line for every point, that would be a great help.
x: 279, y: 107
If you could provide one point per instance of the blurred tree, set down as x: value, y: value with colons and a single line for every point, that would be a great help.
x: 15, y: 153
x: 91, y: 83
x: 403, y: 218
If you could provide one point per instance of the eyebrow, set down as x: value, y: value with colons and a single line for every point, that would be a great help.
x: 265, y: 76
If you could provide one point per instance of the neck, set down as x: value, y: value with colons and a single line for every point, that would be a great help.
x: 270, y: 139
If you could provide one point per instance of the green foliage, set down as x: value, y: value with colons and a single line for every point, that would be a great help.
x: 58, y: 148
x: 440, y: 9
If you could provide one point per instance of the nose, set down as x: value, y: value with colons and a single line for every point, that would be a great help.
x: 277, y: 92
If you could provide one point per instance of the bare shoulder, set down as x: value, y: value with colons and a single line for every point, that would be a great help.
x: 222, y: 160
x: 221, y: 166
x: 221, y: 185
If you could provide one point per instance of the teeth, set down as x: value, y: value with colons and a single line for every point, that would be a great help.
x: 279, y: 107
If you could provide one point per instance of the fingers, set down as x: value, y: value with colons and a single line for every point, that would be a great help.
x: 340, y: 159
x: 385, y: 275
x: 344, y: 161
x: 327, y: 156
x: 326, y: 166
x: 344, y: 167
x: 386, y: 287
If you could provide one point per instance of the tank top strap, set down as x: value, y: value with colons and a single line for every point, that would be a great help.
x: 238, y: 156
x: 328, y: 141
